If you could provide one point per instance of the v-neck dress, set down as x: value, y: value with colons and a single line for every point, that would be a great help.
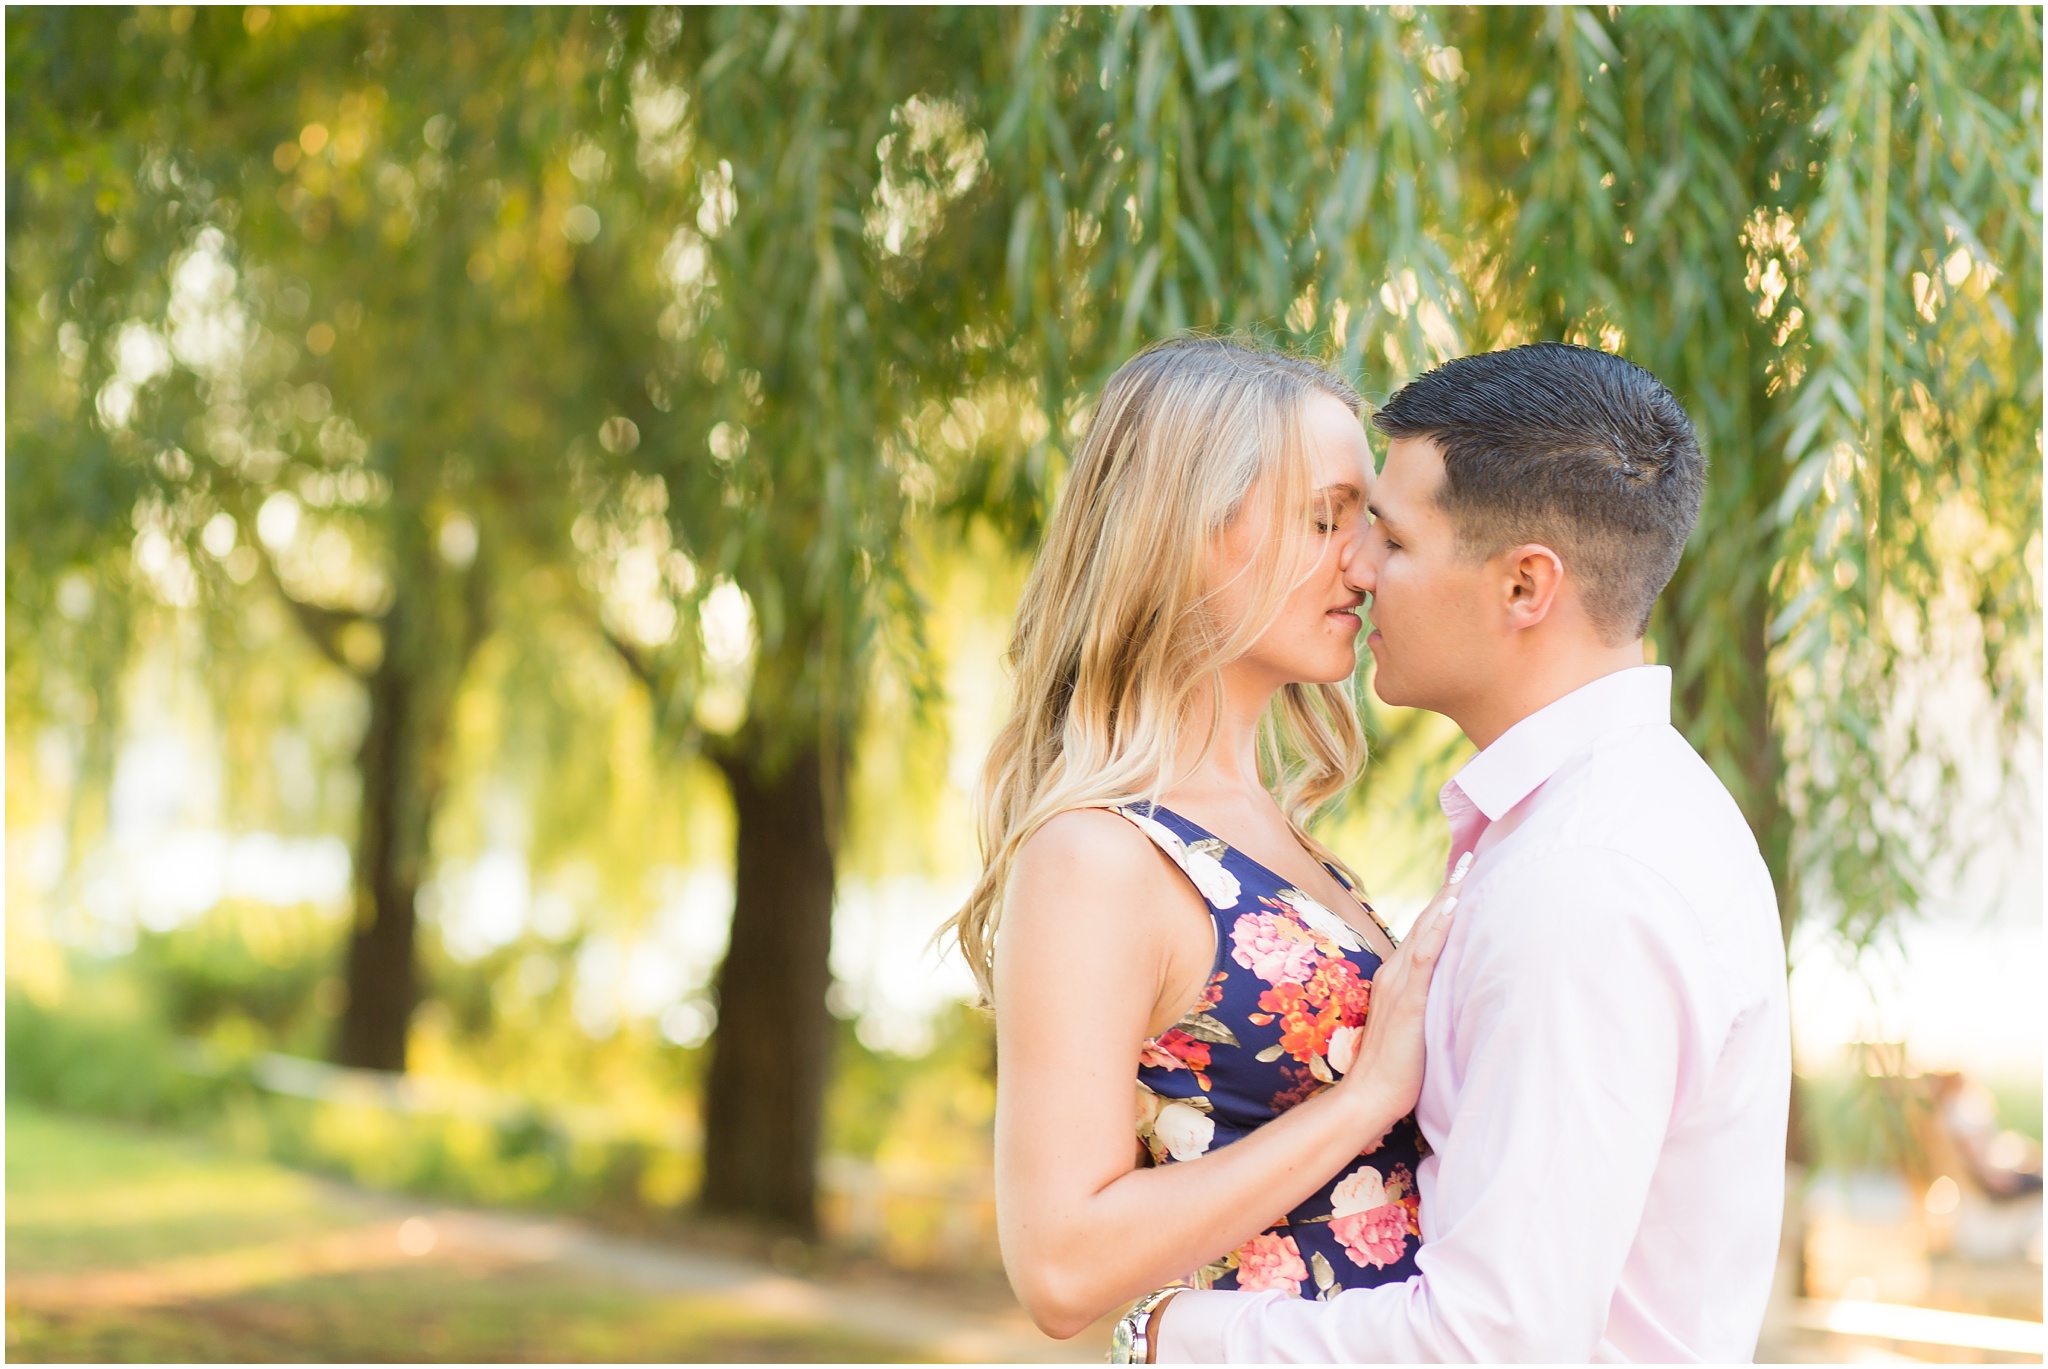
x: 1280, y: 1020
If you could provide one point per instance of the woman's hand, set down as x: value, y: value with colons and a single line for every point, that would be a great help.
x: 1386, y: 1078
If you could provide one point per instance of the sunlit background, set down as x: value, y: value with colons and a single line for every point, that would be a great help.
x: 513, y: 521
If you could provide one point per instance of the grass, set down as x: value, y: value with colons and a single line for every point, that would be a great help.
x: 404, y: 1316
x: 90, y: 1204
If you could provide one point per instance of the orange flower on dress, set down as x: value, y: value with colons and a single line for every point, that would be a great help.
x: 1174, y: 1049
x: 1335, y: 996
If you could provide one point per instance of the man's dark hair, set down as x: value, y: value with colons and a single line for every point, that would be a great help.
x: 1577, y: 449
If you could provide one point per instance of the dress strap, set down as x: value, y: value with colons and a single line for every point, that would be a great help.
x: 1199, y: 859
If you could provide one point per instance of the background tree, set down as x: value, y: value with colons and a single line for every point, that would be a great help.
x: 825, y: 290
x: 319, y: 295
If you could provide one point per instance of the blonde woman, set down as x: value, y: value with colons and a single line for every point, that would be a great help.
x: 1154, y: 925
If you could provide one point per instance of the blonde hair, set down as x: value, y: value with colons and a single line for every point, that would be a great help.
x: 1116, y: 633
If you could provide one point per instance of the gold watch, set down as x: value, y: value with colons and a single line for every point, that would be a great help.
x: 1131, y: 1341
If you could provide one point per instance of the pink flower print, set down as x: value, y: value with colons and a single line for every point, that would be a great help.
x: 1269, y: 1261
x: 1376, y: 1237
x: 1276, y: 949
x: 1368, y: 1219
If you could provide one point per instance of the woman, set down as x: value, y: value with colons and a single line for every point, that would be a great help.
x: 1152, y: 899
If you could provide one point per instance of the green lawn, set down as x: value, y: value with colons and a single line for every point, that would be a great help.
x: 96, y: 1210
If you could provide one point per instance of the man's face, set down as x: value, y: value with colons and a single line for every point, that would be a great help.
x: 1437, y: 632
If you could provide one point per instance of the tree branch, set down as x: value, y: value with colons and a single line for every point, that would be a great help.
x: 636, y: 662
x: 323, y: 626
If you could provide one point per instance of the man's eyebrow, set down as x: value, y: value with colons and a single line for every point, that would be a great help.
x: 1377, y: 515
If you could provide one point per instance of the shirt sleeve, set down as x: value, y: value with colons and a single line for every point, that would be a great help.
x: 1570, y: 1012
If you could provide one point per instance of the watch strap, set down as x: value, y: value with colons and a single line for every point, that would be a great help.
x: 1131, y: 1341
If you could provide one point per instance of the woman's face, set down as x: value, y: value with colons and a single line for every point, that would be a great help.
x: 1315, y: 637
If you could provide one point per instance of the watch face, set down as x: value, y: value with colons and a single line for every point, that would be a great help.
x: 1120, y: 1342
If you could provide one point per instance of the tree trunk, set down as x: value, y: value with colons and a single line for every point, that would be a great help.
x: 382, y: 980
x: 430, y: 632
x: 772, y: 1052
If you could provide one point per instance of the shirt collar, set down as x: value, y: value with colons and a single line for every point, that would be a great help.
x: 1531, y: 751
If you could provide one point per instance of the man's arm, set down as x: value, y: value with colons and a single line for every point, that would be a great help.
x: 1573, y: 1004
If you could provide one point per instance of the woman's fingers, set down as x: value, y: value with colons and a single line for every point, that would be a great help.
x: 1447, y: 896
x: 1462, y: 868
x: 1426, y: 943
x: 1431, y: 930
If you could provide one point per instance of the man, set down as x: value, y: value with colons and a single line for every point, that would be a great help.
x: 1609, y: 1051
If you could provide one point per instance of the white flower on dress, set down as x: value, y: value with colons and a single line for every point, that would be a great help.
x: 1320, y: 919
x: 1168, y: 840
x: 1362, y: 1190
x: 1149, y: 1104
x: 1344, y: 1043
x: 1185, y: 1131
x: 1216, y: 884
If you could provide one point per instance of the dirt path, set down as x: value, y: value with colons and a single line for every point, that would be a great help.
x: 924, y: 1320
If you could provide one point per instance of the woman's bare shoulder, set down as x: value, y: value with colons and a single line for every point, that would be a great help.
x: 1092, y: 851
x: 1096, y: 912
x: 1092, y: 839
x: 1095, y: 833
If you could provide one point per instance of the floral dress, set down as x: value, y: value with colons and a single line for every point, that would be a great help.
x: 1280, y: 1021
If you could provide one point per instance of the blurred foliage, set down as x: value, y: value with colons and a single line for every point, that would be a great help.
x: 247, y: 971
x: 183, y: 1031
x: 1853, y: 1121
x: 101, y: 1053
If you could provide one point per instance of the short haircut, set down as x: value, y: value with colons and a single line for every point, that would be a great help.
x: 1577, y: 449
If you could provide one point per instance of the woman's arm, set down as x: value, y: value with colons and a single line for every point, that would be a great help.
x: 1096, y: 940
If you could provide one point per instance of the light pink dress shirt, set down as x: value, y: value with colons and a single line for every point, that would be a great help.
x: 1608, y: 1072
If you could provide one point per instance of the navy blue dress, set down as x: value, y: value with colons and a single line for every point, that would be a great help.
x: 1279, y: 1022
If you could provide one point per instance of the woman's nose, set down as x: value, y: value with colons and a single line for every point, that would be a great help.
x: 1352, y: 558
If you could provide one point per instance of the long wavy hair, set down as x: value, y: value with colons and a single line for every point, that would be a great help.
x: 1119, y: 632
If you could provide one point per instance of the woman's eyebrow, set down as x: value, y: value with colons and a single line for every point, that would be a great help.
x: 1342, y: 492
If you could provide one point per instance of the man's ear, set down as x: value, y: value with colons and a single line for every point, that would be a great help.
x: 1532, y: 578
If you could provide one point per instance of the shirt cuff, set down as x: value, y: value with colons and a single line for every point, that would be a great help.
x: 1197, y: 1323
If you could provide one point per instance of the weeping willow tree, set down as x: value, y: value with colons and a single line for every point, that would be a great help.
x: 1291, y: 174
x: 709, y: 315
x: 416, y: 322
x: 1821, y: 228
x: 310, y: 279
x: 828, y: 288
